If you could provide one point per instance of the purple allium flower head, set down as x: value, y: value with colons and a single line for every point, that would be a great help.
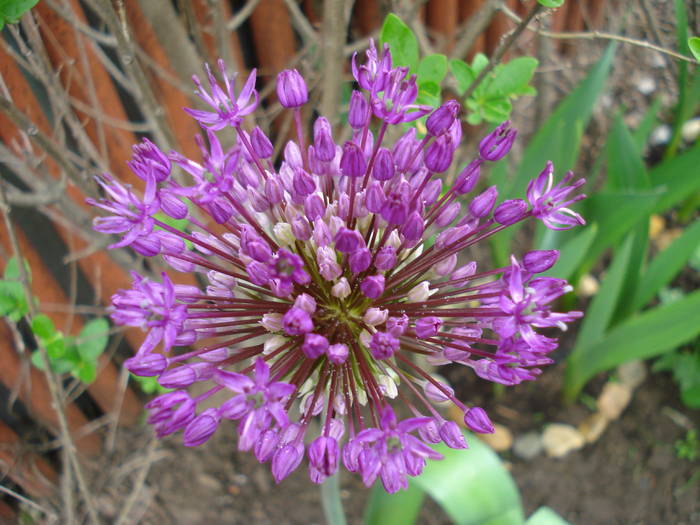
x: 321, y: 282
x: 291, y: 89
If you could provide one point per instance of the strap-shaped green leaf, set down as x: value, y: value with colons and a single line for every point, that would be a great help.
x: 649, y: 334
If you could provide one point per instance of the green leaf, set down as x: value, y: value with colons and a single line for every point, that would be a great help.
x: 694, y: 46
x: 677, y: 178
x: 401, y: 508
x: 429, y: 94
x: 649, y: 121
x: 651, y: 333
x: 93, y: 339
x: 56, y: 348
x: 616, y: 214
x: 12, y: 10
x: 571, y: 253
x: 666, y: 265
x: 463, y: 74
x: 86, y: 372
x: 626, y: 169
x: 546, y: 516
x: 472, y: 486
x: 402, y: 42
x: 558, y: 140
x: 43, y: 327
x: 13, y: 302
x: 37, y: 360
x: 551, y: 3
x: 691, y: 397
x: 514, y: 76
x: 601, y: 309
x: 432, y: 68
x: 496, y: 110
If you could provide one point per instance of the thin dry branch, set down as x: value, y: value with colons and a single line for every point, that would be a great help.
x: 599, y: 35
x: 54, y: 385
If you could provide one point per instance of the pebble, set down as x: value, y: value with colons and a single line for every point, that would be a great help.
x: 501, y: 439
x: 593, y: 427
x: 646, y: 85
x: 528, y: 446
x: 657, y: 224
x: 613, y: 400
x: 691, y: 130
x: 209, y: 482
x: 587, y: 286
x: 560, y: 439
x: 632, y: 373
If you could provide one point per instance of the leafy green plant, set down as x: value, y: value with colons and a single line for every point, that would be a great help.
x: 688, y: 447
x: 685, y: 367
x: 67, y: 354
x: 13, y: 300
x: 491, y: 101
x: 473, y: 488
x: 12, y: 10
x: 149, y: 385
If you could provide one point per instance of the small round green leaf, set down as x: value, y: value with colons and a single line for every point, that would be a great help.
x: 694, y: 45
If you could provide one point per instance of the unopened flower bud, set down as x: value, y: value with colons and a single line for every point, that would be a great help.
x: 442, y: 118
x: 352, y: 163
x: 481, y: 206
x: 478, y: 421
x: 338, y: 353
x: 538, y: 261
x: 373, y: 286
x: 510, y: 211
x: 383, y: 165
x: 291, y: 89
x: 358, y: 113
x: 314, y: 346
x: 341, y: 289
x: 261, y: 144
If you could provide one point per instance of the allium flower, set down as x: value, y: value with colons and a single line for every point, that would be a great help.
x: 319, y: 286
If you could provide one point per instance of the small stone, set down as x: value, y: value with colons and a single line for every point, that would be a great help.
x: 657, y: 224
x: 646, y: 85
x: 613, y: 400
x: 587, y: 286
x: 593, y: 427
x: 501, y: 439
x: 691, y: 130
x: 528, y: 446
x: 661, y: 135
x: 632, y: 373
x: 560, y: 439
x: 209, y: 482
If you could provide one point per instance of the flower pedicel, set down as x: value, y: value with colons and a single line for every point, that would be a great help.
x: 320, y: 287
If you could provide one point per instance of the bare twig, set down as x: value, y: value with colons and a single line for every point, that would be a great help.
x: 301, y: 24
x: 242, y: 15
x: 49, y: 513
x: 503, y: 46
x: 474, y: 27
x: 333, y: 39
x: 127, y: 56
x: 599, y: 35
x: 139, y: 483
x: 53, y: 383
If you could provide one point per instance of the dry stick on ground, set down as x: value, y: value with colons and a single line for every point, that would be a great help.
x: 598, y: 35
x: 501, y: 50
x: 53, y: 383
x: 476, y: 25
x: 139, y: 483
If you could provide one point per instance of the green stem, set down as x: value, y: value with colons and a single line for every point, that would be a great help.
x: 330, y: 501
